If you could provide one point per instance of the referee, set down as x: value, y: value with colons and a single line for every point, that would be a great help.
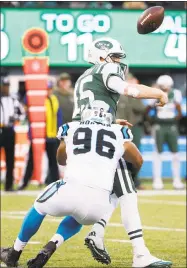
x: 10, y: 111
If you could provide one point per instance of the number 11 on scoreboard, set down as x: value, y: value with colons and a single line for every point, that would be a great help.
x: 72, y: 40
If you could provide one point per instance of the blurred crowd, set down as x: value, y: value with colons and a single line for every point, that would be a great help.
x: 176, y: 5
x: 59, y: 108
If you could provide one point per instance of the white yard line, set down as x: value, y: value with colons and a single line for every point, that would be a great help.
x: 34, y: 242
x: 163, y: 202
x: 119, y: 240
x: 140, y: 193
x: 140, y: 200
x: 162, y: 192
x: 24, y: 193
x: 9, y: 215
x: 15, y: 212
x: 153, y: 228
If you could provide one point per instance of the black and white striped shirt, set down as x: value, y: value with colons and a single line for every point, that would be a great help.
x: 11, y: 110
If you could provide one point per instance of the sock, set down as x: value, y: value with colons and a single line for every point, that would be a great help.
x: 30, y: 226
x: 68, y: 228
x: 157, y: 168
x: 57, y: 239
x: 19, y: 245
x: 132, y: 223
x: 176, y: 167
x: 99, y: 227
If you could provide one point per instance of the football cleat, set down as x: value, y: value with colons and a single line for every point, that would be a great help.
x: 97, y: 249
x: 158, y: 186
x: 178, y: 185
x: 149, y: 261
x: 43, y: 256
x: 10, y: 256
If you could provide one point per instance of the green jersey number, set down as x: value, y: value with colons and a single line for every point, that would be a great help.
x: 81, y: 94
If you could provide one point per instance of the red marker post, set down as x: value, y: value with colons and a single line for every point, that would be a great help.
x: 36, y: 69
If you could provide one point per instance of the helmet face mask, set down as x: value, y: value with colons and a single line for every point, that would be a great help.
x: 117, y: 55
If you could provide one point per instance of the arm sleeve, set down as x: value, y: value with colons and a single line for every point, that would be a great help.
x: 62, y: 131
x: 127, y: 134
x: 113, y: 77
x: 116, y: 84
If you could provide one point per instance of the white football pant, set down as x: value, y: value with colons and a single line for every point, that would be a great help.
x: 87, y: 205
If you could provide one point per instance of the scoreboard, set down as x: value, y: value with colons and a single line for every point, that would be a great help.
x: 71, y: 31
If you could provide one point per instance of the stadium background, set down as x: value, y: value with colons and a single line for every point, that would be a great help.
x: 162, y: 52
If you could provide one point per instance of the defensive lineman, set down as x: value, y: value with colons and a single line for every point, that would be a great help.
x: 92, y: 149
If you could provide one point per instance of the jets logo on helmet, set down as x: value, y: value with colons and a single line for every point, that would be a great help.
x: 104, y: 49
x: 104, y: 45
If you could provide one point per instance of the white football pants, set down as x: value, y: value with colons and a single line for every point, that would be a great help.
x: 87, y: 205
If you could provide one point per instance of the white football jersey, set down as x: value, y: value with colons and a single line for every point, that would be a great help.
x: 93, y: 151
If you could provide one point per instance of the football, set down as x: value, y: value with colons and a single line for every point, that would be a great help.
x: 150, y: 20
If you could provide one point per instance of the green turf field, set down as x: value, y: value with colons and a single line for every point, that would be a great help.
x: 163, y: 218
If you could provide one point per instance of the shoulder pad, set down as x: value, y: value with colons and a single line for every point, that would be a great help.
x: 111, y: 67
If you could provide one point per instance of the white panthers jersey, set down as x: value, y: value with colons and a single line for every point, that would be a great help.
x: 93, y: 151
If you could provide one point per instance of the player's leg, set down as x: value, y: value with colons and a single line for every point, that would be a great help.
x: 132, y: 223
x: 95, y: 238
x: 66, y: 229
x: 159, y: 136
x: 99, y: 227
x: 50, y: 202
x: 172, y: 140
x: 131, y: 220
x: 30, y: 226
x: 125, y: 191
x: 84, y: 213
x: 129, y: 207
